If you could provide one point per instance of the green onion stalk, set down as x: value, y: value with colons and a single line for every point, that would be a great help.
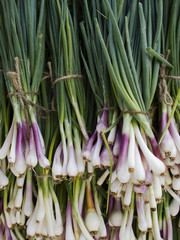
x: 46, y: 218
x: 22, y: 37
x: 69, y: 91
x: 133, y: 72
x: 169, y: 112
x: 96, y: 152
x: 85, y: 210
x: 3, y: 129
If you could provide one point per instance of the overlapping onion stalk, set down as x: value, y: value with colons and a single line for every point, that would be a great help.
x: 69, y: 90
x: 133, y: 72
x: 22, y: 56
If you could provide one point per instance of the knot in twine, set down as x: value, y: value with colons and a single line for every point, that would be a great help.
x: 164, y: 94
x: 50, y: 75
x: 21, y: 94
x: 41, y: 176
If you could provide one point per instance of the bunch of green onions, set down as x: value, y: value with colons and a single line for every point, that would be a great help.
x: 89, y: 119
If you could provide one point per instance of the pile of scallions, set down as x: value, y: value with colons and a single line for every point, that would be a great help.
x: 89, y: 119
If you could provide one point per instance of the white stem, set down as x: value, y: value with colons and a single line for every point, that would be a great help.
x: 174, y: 208
x: 115, y: 186
x: 5, y: 148
x: 90, y: 168
x: 170, y: 191
x: 19, y: 198
x: 20, y: 181
x: 168, y: 179
x: 65, y: 151
x: 39, y: 228
x: 176, y: 183
x: 41, y: 207
x: 131, y: 150
x: 72, y: 169
x: 103, y: 178
x: 157, y: 187
x: 12, y: 154
x: 139, y: 173
x: 152, y: 201
x: 148, y: 216
x: 31, y: 157
x: 122, y: 232
x: 96, y: 153
x: 8, y: 219
x: 92, y: 221
x: 156, y: 226
x: 18, y: 217
x: 13, y: 218
x: 175, y: 170
x: 57, y: 165
x: 4, y: 181
x: 155, y: 164
x: 128, y: 194
x: 44, y: 228
x: 50, y: 223
x: 123, y: 173
x: 112, y: 133
x: 102, y: 228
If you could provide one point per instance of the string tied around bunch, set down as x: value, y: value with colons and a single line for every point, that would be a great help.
x: 164, y: 94
x: 15, y: 76
x: 53, y: 82
x: 124, y: 111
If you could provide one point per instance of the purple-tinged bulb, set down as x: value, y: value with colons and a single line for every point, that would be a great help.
x: 57, y: 163
x: 20, y: 163
x: 72, y: 169
x: 115, y: 218
x: 174, y: 133
x: 117, y: 142
x: 69, y: 233
x: 31, y: 157
x: 86, y: 154
x: 7, y: 232
x: 108, y: 232
x: 1, y: 230
x: 43, y: 161
x: 105, y: 159
x: 139, y: 172
x: 141, y: 189
x: 122, y: 165
x: 148, y: 174
x: 111, y: 204
x: 24, y: 130
x: 102, y: 124
x: 5, y: 148
x: 155, y: 164
x: 96, y: 153
x: 141, y: 213
x: 167, y: 144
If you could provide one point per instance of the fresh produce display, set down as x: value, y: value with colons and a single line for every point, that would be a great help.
x: 89, y: 119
